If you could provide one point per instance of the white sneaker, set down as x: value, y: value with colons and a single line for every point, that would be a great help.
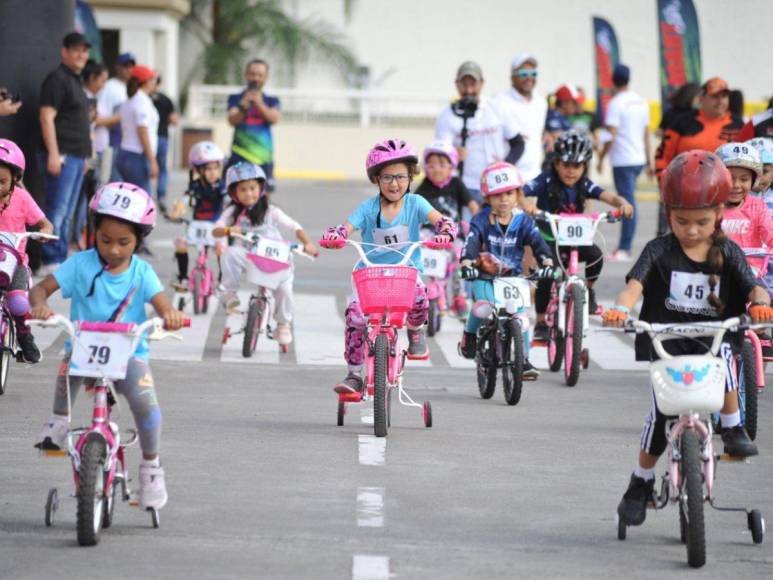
x: 152, y: 487
x: 231, y: 301
x: 619, y: 256
x: 54, y: 433
x: 283, y: 333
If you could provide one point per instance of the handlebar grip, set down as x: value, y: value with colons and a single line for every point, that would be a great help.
x: 615, y: 214
x: 432, y: 245
x: 332, y: 244
x: 187, y: 323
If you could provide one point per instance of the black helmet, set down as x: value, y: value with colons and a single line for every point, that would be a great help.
x: 573, y: 147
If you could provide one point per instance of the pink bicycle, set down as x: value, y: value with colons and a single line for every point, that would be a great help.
x: 201, y: 280
x: 386, y: 293
x: 691, y: 387
x: 567, y: 313
x: 101, y: 352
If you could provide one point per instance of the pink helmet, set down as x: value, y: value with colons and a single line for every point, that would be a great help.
x: 126, y: 202
x: 386, y: 152
x: 500, y: 177
x: 204, y: 152
x: 442, y: 148
x: 11, y: 155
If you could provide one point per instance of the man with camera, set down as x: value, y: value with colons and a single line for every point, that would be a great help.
x: 9, y: 102
x: 475, y: 127
x: 252, y: 113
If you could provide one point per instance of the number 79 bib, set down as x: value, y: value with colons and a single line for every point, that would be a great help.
x: 100, y: 354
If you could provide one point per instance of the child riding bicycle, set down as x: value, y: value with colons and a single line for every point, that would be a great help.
x: 109, y: 283
x: 495, y: 246
x: 693, y: 274
x: 394, y: 217
x: 250, y: 212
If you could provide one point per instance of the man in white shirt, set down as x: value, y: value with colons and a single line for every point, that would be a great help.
x: 112, y: 96
x: 627, y: 120
x: 523, y: 106
x: 488, y: 137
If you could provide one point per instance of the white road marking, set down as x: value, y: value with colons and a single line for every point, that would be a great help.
x: 194, y: 341
x: 319, y: 330
x: 366, y: 413
x: 370, y: 507
x: 267, y: 351
x: 372, y: 450
x: 366, y: 567
x: 447, y: 339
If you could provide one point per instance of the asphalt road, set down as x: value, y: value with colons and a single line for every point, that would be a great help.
x: 263, y: 484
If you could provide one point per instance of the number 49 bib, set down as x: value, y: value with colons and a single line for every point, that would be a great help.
x: 689, y: 292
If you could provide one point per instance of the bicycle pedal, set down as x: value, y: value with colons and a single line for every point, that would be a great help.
x: 53, y: 452
x: 732, y: 458
x: 538, y: 343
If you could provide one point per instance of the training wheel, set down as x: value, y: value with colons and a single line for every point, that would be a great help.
x: 226, y: 334
x: 341, y: 413
x: 426, y: 413
x: 585, y: 358
x: 52, y: 504
x: 621, y: 527
x: 756, y: 526
x: 154, y: 517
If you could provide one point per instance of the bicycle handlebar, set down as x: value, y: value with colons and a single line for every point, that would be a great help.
x: 406, y: 254
x: 252, y: 238
x: 156, y: 323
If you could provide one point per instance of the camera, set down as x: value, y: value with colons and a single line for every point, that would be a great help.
x: 5, y: 94
x: 465, y: 107
x: 252, y: 85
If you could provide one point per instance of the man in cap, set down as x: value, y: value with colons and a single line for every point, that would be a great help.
x: 65, y: 126
x: 627, y: 120
x: 112, y: 96
x: 489, y: 138
x: 523, y: 106
x: 707, y: 128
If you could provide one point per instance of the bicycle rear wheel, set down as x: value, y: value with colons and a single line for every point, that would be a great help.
x: 433, y: 318
x: 6, y: 342
x: 486, y: 365
x: 380, y: 404
x: 747, y: 389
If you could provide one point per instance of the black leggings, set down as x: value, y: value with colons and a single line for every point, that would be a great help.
x: 594, y: 262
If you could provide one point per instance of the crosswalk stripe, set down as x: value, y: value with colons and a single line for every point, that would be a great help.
x: 266, y: 352
x: 318, y: 330
x: 194, y: 338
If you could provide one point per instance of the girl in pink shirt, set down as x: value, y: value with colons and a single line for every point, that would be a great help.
x: 17, y: 211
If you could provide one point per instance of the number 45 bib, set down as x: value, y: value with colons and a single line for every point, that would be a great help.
x: 689, y: 292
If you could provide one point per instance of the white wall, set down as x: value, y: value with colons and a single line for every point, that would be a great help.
x: 424, y: 41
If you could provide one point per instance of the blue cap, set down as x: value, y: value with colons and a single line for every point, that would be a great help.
x: 126, y: 57
x: 621, y: 75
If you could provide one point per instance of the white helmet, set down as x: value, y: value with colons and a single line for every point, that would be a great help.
x: 764, y: 145
x: 205, y: 152
x: 740, y: 155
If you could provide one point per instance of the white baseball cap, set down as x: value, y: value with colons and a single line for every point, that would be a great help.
x: 521, y: 59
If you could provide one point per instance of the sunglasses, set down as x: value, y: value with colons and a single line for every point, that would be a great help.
x: 527, y: 73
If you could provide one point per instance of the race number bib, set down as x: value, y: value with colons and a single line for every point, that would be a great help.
x: 200, y: 233
x: 575, y: 231
x: 391, y: 236
x: 277, y: 250
x: 435, y: 262
x: 513, y: 288
x: 100, y: 354
x: 690, y: 292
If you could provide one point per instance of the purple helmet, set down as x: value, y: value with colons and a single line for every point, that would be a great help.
x: 386, y: 152
x: 126, y: 202
x: 442, y: 148
x: 11, y: 155
x: 243, y: 171
x: 204, y: 152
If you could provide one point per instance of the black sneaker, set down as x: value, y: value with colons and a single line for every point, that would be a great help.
x: 737, y: 442
x: 541, y: 332
x: 633, y: 507
x: 469, y: 344
x: 28, y: 347
x: 417, y: 344
x: 593, y: 306
x: 530, y: 372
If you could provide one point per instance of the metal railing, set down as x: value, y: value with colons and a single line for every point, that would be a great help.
x: 358, y: 108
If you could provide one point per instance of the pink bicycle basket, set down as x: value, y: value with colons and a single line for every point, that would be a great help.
x: 385, y: 287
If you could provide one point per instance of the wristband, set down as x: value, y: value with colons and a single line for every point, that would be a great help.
x: 758, y: 303
x: 623, y: 309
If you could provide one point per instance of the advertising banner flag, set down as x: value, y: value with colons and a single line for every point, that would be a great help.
x: 680, y: 47
x: 607, y: 56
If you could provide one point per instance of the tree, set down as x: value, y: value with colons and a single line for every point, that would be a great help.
x: 231, y: 29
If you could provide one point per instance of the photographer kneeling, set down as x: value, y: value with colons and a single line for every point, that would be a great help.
x: 475, y: 127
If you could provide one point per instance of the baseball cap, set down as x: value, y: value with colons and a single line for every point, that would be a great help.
x: 621, y: 75
x: 126, y: 57
x: 521, y: 59
x: 143, y: 73
x: 715, y: 86
x: 569, y: 93
x: 75, y: 39
x: 469, y: 69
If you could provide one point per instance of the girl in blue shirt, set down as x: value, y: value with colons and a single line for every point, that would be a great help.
x: 393, y: 217
x: 111, y: 284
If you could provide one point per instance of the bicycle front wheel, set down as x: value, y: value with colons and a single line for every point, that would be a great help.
x: 574, y: 331
x: 512, y: 367
x: 91, y: 492
x: 747, y: 389
x: 255, y: 313
x: 5, y: 353
x: 691, y: 499
x: 380, y: 387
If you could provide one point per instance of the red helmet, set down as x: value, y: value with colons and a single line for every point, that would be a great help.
x: 695, y: 179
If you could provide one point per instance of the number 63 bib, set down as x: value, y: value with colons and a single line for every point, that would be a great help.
x: 689, y: 292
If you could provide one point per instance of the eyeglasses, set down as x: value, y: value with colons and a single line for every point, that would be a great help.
x: 526, y: 73
x: 388, y: 178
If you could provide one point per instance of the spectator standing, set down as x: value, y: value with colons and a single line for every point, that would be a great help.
x: 166, y: 116
x: 65, y: 125
x: 139, y: 130
x: 110, y: 100
x: 488, y: 133
x: 252, y: 113
x: 523, y: 106
x: 627, y: 120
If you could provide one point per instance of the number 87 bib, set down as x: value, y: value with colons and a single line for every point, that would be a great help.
x: 100, y: 354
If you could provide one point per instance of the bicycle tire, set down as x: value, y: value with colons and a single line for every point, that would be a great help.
x: 555, y: 349
x: 90, y: 513
x: 692, y: 487
x: 380, y: 387
x: 433, y: 318
x: 513, y: 363
x: 5, y: 354
x: 574, y: 331
x: 486, y: 367
x: 747, y: 389
x: 197, y: 294
x: 252, y: 326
